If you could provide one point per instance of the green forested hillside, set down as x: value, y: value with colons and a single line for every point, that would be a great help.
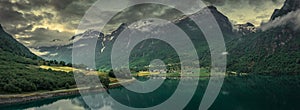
x: 272, y: 51
x: 19, y: 71
x: 8, y: 43
x: 19, y: 74
x: 275, y: 51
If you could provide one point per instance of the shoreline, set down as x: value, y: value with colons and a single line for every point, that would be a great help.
x: 12, y: 99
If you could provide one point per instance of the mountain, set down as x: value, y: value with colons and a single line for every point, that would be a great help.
x: 244, y: 29
x: 223, y: 21
x: 148, y: 49
x: 289, y: 5
x: 9, y: 44
x: 64, y: 53
x: 272, y: 51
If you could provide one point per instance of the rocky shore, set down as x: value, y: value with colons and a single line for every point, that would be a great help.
x: 23, y: 98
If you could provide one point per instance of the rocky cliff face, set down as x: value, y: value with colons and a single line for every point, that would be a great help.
x: 245, y: 29
x: 289, y: 5
x: 223, y: 21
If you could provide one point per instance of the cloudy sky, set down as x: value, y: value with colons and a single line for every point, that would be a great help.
x: 37, y: 23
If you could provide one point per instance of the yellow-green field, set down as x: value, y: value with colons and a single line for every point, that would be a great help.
x: 70, y: 69
x: 59, y: 68
x: 147, y: 73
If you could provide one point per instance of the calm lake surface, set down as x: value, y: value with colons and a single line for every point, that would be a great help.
x: 237, y: 93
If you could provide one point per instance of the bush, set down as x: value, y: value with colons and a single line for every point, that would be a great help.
x: 67, y: 86
x: 111, y: 74
x: 17, y: 75
x: 11, y: 88
x: 25, y: 85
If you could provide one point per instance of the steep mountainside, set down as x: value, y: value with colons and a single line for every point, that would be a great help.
x: 9, y: 44
x: 19, y: 71
x: 64, y: 53
x: 289, y: 5
x: 272, y: 51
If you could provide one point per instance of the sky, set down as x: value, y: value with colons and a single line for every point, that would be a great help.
x: 38, y: 23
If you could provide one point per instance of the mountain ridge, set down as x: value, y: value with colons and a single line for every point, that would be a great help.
x: 8, y: 43
x: 262, y: 52
x: 105, y: 42
x: 289, y: 6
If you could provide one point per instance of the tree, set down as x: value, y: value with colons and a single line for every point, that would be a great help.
x: 67, y: 86
x: 12, y: 88
x: 55, y: 62
x: 62, y: 63
x: 69, y: 64
x: 51, y: 61
x: 111, y: 74
x: 26, y: 86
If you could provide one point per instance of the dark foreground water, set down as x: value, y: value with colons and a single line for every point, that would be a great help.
x: 237, y: 93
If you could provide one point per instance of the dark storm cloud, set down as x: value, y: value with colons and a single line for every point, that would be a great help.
x: 23, y: 5
x: 179, y: 4
x: 21, y: 30
x: 9, y: 10
x: 216, y: 2
x: 35, y: 18
x: 24, y: 18
x: 138, y: 12
x: 10, y: 17
x: 41, y: 37
x: 259, y: 5
x: 7, y: 14
x: 41, y: 21
x: 131, y: 14
x: 72, y: 11
x: 61, y: 4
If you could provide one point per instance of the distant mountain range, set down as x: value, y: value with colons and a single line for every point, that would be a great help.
x: 104, y: 43
x: 271, y: 51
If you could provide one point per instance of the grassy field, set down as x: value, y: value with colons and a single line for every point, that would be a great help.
x: 146, y: 73
x: 71, y: 69
x: 59, y: 68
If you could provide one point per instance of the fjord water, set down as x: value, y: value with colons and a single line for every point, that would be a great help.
x: 237, y: 93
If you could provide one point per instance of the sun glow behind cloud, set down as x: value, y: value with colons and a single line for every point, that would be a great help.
x: 249, y: 13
